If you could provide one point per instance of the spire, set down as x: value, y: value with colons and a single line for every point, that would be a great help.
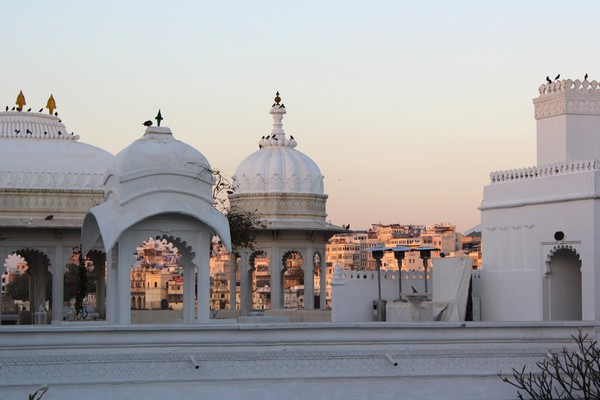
x: 20, y: 101
x: 158, y: 118
x: 278, y: 111
x: 51, y: 105
x: 277, y: 137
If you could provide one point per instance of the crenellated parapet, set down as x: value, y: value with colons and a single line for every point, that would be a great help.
x: 560, y: 168
x: 568, y: 96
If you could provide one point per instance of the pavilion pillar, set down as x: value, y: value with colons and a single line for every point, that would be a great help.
x: 309, y: 280
x: 123, y: 289
x: 323, y: 281
x: 245, y: 284
x: 111, y: 287
x: 58, y: 264
x: 276, y: 279
x: 203, y: 290
x: 232, y: 281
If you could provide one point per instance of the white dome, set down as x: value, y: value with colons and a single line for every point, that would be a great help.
x: 158, y: 150
x: 154, y: 175
x: 277, y: 167
x: 39, y: 153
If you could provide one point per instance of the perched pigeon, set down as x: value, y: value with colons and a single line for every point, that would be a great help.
x: 585, y: 77
x: 148, y: 123
x: 557, y: 77
x: 548, y: 80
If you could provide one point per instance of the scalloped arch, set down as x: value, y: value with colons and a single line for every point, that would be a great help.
x: 553, y: 252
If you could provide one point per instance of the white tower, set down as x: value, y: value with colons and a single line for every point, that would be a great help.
x: 540, y: 225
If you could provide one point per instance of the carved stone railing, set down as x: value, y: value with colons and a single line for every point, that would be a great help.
x: 568, y: 85
x: 562, y: 168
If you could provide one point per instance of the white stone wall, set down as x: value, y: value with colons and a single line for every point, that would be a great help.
x: 274, y: 361
x: 354, y: 291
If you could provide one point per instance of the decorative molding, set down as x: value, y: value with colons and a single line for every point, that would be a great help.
x: 24, y: 201
x: 568, y: 97
x: 51, y: 180
x: 274, y: 182
x: 282, y: 204
x: 560, y: 168
x: 506, y: 228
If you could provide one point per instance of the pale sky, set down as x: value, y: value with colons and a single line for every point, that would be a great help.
x: 405, y: 106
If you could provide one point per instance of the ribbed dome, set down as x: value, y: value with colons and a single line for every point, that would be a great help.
x: 38, y: 153
x: 277, y: 167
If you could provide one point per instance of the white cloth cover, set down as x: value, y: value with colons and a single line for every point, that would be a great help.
x: 451, y: 278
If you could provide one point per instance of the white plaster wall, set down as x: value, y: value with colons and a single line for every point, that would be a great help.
x: 568, y: 137
x: 352, y: 298
x: 518, y: 236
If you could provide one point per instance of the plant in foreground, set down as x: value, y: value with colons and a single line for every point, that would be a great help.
x: 569, y: 374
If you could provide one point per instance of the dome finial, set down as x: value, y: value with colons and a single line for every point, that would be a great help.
x: 51, y: 105
x: 277, y: 98
x: 20, y: 101
x: 158, y: 118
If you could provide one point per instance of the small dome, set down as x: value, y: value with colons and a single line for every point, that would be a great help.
x: 277, y: 167
x: 154, y: 175
x: 39, y: 153
x: 158, y: 150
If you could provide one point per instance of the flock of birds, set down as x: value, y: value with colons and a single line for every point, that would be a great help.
x: 28, y: 132
x: 558, y: 77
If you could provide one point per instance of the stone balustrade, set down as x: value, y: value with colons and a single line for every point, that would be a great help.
x: 565, y: 85
x: 561, y: 168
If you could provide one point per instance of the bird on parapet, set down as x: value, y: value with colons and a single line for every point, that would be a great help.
x: 49, y: 217
x: 13, y: 109
x: 59, y: 132
x: 585, y: 77
x: 56, y: 114
x: 17, y: 131
x: 548, y: 79
x: 413, y: 289
x: 267, y: 138
x: 28, y: 132
x: 557, y: 77
x: 41, y: 109
x: 29, y: 109
x: 292, y: 137
x: 148, y: 123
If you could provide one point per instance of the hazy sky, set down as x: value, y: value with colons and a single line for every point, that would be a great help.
x: 405, y: 106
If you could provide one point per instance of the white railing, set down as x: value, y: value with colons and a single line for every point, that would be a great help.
x: 562, y: 168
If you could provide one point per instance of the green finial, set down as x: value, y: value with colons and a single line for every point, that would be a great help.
x: 158, y: 118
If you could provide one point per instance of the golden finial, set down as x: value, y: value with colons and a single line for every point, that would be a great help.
x: 20, y: 101
x: 277, y: 98
x: 51, y: 105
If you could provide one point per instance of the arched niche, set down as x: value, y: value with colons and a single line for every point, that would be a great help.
x: 293, y: 279
x: 562, y: 285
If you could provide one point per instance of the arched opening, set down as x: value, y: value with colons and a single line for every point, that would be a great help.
x: 562, y: 289
x: 15, y: 291
x: 36, y: 307
x: 156, y: 282
x: 260, y: 278
x: 293, y: 280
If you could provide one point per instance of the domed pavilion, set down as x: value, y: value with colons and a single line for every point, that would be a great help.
x: 157, y: 187
x: 284, y: 187
x: 48, y: 181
